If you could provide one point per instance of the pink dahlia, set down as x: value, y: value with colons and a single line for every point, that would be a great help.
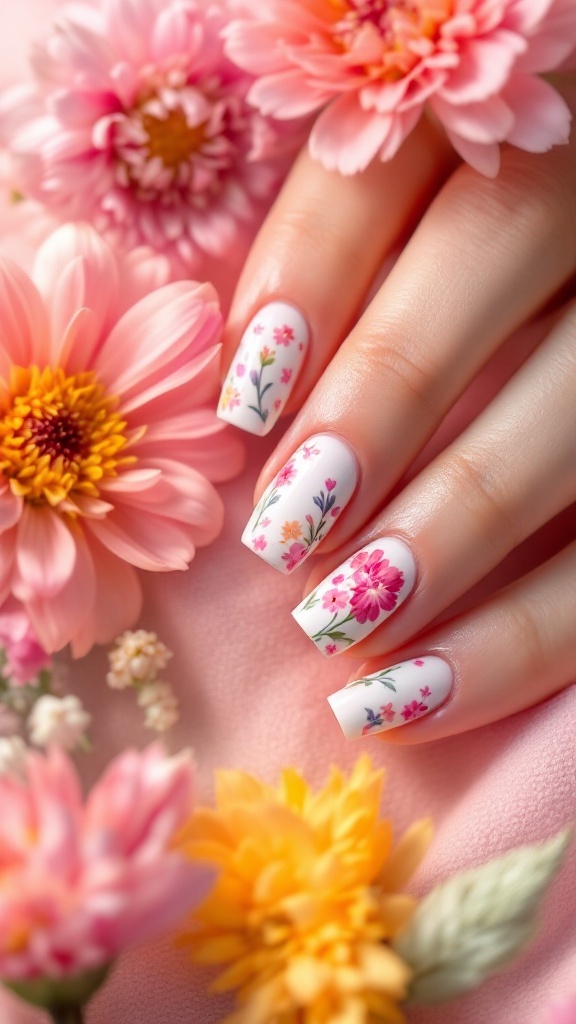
x: 24, y: 658
x: 138, y: 123
x: 82, y: 880
x: 375, y: 585
x: 371, y: 66
x: 108, y: 438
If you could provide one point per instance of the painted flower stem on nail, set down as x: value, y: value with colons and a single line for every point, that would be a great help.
x: 384, y: 677
x: 267, y: 358
x: 264, y: 505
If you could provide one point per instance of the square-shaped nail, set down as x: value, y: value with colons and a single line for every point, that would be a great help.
x: 303, y: 502
x: 393, y: 697
x: 358, y: 596
x: 265, y: 368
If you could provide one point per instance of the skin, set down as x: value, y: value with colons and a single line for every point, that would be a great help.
x: 465, y: 432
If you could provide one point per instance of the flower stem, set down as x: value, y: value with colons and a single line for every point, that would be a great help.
x: 67, y: 1015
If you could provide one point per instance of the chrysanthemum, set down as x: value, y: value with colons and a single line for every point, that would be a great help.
x: 374, y: 64
x: 82, y: 880
x: 107, y: 433
x: 307, y: 898
x: 137, y: 123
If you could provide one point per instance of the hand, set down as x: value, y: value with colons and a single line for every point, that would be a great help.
x: 424, y: 522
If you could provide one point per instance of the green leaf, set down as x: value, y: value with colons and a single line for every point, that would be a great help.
x: 338, y: 635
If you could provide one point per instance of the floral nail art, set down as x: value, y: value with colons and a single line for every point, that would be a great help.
x: 303, y: 502
x: 361, y: 594
x: 265, y: 368
x: 392, y: 697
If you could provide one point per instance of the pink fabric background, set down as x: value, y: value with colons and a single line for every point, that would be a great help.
x: 253, y: 696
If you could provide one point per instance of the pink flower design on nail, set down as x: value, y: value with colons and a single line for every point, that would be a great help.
x: 330, y: 484
x: 308, y: 450
x: 333, y: 599
x: 294, y: 555
x: 425, y: 691
x: 259, y: 329
x: 413, y: 710
x: 376, y: 585
x: 419, y: 662
x: 309, y: 519
x: 240, y: 369
x: 260, y: 543
x: 285, y: 376
x: 286, y: 474
x: 283, y: 335
x: 387, y: 712
x: 339, y: 579
x: 265, y: 522
x: 277, y: 404
x: 335, y: 512
x: 330, y: 649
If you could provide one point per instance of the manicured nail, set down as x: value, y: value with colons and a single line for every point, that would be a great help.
x: 393, y: 697
x: 303, y: 502
x: 358, y: 596
x: 264, y: 369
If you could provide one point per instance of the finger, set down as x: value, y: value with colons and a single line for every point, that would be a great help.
x: 516, y: 649
x: 511, y: 471
x: 310, y: 269
x: 485, y: 257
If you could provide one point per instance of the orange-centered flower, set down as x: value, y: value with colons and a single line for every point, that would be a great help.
x: 59, y: 435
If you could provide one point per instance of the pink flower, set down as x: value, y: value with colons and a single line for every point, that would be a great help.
x: 294, y: 555
x: 419, y: 662
x: 371, y: 66
x: 330, y: 484
x: 107, y: 471
x: 376, y: 585
x: 137, y: 123
x: 283, y: 335
x: 339, y: 579
x: 330, y: 649
x: 333, y: 599
x: 413, y: 710
x: 308, y: 451
x: 286, y: 474
x: 336, y: 512
x: 259, y: 329
x: 240, y: 369
x: 265, y: 522
x: 25, y: 658
x: 82, y: 880
x: 387, y: 712
x: 260, y: 543
x: 285, y: 376
x: 425, y: 691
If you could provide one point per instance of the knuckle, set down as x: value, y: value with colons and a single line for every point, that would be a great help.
x: 470, y: 483
x: 415, y: 383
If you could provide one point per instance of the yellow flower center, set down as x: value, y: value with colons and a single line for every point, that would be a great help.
x: 172, y: 138
x: 407, y: 29
x: 59, y: 435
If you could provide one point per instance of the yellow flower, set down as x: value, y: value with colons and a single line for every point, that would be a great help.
x: 307, y: 898
x: 291, y: 531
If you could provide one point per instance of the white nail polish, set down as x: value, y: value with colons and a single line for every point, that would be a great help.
x: 303, y: 502
x: 393, y: 697
x: 264, y: 369
x: 358, y: 596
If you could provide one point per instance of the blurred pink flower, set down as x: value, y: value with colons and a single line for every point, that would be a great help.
x: 25, y: 658
x: 108, y: 435
x: 376, y: 585
x: 372, y: 65
x: 136, y: 122
x: 81, y: 881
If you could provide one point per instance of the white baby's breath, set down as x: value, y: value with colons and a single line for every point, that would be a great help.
x: 474, y: 923
x: 138, y: 657
x: 12, y: 757
x: 160, y: 704
x: 59, y: 720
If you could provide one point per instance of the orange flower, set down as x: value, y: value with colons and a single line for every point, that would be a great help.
x: 291, y: 531
x: 307, y: 900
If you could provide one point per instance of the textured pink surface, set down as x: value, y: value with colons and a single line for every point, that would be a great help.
x: 253, y: 696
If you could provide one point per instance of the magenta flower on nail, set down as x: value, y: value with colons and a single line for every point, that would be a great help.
x: 363, y: 592
x: 283, y: 335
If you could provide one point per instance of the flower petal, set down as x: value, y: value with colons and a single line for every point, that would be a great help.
x: 23, y: 324
x: 45, y: 554
x: 117, y: 600
x: 147, y: 541
x: 57, y: 621
x: 542, y: 118
x: 346, y: 138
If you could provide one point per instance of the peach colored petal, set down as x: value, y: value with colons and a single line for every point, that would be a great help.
x: 45, y: 553
x: 57, y: 620
x: 117, y: 600
x: 149, y: 542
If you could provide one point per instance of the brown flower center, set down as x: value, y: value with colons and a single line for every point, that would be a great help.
x: 171, y: 138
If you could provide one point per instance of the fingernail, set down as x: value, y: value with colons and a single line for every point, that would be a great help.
x: 303, y: 502
x: 264, y: 369
x: 391, y: 698
x: 358, y: 596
